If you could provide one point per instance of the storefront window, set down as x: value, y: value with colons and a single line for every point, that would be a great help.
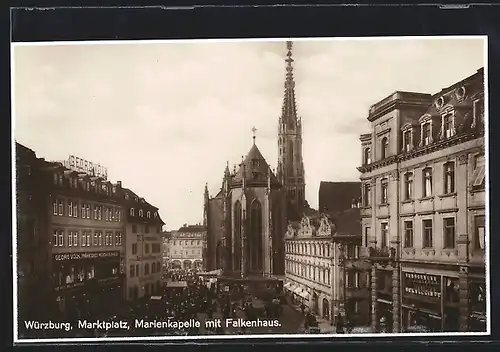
x: 80, y: 274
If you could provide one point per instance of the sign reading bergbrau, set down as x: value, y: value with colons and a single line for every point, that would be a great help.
x: 86, y: 255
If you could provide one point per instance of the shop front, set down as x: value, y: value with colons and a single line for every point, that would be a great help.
x: 87, y: 284
x: 478, y: 321
x: 431, y: 302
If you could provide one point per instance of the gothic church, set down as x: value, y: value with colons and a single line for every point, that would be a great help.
x: 247, y: 220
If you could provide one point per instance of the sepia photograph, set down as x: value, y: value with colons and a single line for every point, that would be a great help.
x: 201, y: 189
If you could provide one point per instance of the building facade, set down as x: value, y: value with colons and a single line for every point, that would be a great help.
x: 185, y: 247
x: 323, y: 268
x: 423, y: 208
x: 143, y: 240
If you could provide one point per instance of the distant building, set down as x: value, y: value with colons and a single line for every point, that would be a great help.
x: 143, y: 243
x: 423, y: 208
x: 166, y: 248
x: 185, y: 247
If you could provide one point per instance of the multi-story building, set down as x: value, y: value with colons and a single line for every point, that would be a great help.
x: 186, y: 247
x: 323, y: 267
x: 143, y: 246
x: 33, y: 243
x: 166, y: 248
x: 70, y: 246
x: 423, y: 208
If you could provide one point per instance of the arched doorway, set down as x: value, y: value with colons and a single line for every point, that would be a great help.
x: 315, y: 303
x: 187, y: 264
x: 326, y: 308
x: 176, y: 264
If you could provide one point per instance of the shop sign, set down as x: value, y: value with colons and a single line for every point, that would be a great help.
x: 81, y: 165
x: 86, y: 255
x: 422, y: 285
x: 108, y: 280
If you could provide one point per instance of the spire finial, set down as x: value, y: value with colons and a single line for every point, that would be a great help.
x: 254, y: 130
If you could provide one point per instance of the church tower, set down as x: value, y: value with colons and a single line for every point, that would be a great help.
x: 290, y: 170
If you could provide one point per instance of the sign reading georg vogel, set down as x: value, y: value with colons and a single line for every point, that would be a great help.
x: 86, y: 255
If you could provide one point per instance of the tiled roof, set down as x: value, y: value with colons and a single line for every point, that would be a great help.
x: 338, y: 196
x: 347, y: 222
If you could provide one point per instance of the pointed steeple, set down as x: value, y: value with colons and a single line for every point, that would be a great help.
x: 289, y: 109
x: 226, y: 171
x: 206, y: 191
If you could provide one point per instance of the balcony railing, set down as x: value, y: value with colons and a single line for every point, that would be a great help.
x: 378, y: 254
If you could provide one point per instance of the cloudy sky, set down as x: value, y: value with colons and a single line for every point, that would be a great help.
x: 165, y: 117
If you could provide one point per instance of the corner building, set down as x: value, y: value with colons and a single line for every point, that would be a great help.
x: 143, y: 246
x: 423, y: 208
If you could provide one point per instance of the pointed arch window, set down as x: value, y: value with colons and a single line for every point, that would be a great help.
x: 237, y: 236
x: 384, y: 144
x: 256, y: 235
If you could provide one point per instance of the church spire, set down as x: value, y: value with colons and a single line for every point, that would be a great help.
x: 289, y: 109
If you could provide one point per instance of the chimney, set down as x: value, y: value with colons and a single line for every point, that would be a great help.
x: 119, y: 183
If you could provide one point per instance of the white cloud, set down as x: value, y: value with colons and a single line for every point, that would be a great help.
x: 164, y: 118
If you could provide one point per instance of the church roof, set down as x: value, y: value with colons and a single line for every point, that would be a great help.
x: 255, y: 168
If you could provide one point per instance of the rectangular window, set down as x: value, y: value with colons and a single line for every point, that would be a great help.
x: 479, y: 232
x: 70, y: 208
x: 84, y: 239
x: 427, y: 182
x: 367, y: 195
x: 95, y: 212
x: 99, y: 213
x: 70, y: 239
x: 61, y: 207
x: 408, y: 182
x: 478, y: 175
x: 426, y: 133
x: 132, y: 270
x: 427, y: 233
x: 106, y: 213
x: 118, y: 239
x: 408, y: 227
x: 146, y: 248
x: 83, y: 213
x: 134, y: 249
x: 89, y: 242
x: 75, y: 209
x: 99, y: 239
x: 88, y: 211
x: 447, y: 126
x: 60, y: 238
x: 407, y: 141
x: 449, y: 233
x: 113, y: 212
x: 384, y: 191
x: 137, y: 270
x: 367, y: 236
x: 55, y: 207
x: 95, y: 240
x: 118, y: 215
x: 384, y: 234
x: 449, y: 178
x: 55, y: 239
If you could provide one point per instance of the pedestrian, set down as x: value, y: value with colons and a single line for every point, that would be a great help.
x: 302, y: 308
x: 339, y: 328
